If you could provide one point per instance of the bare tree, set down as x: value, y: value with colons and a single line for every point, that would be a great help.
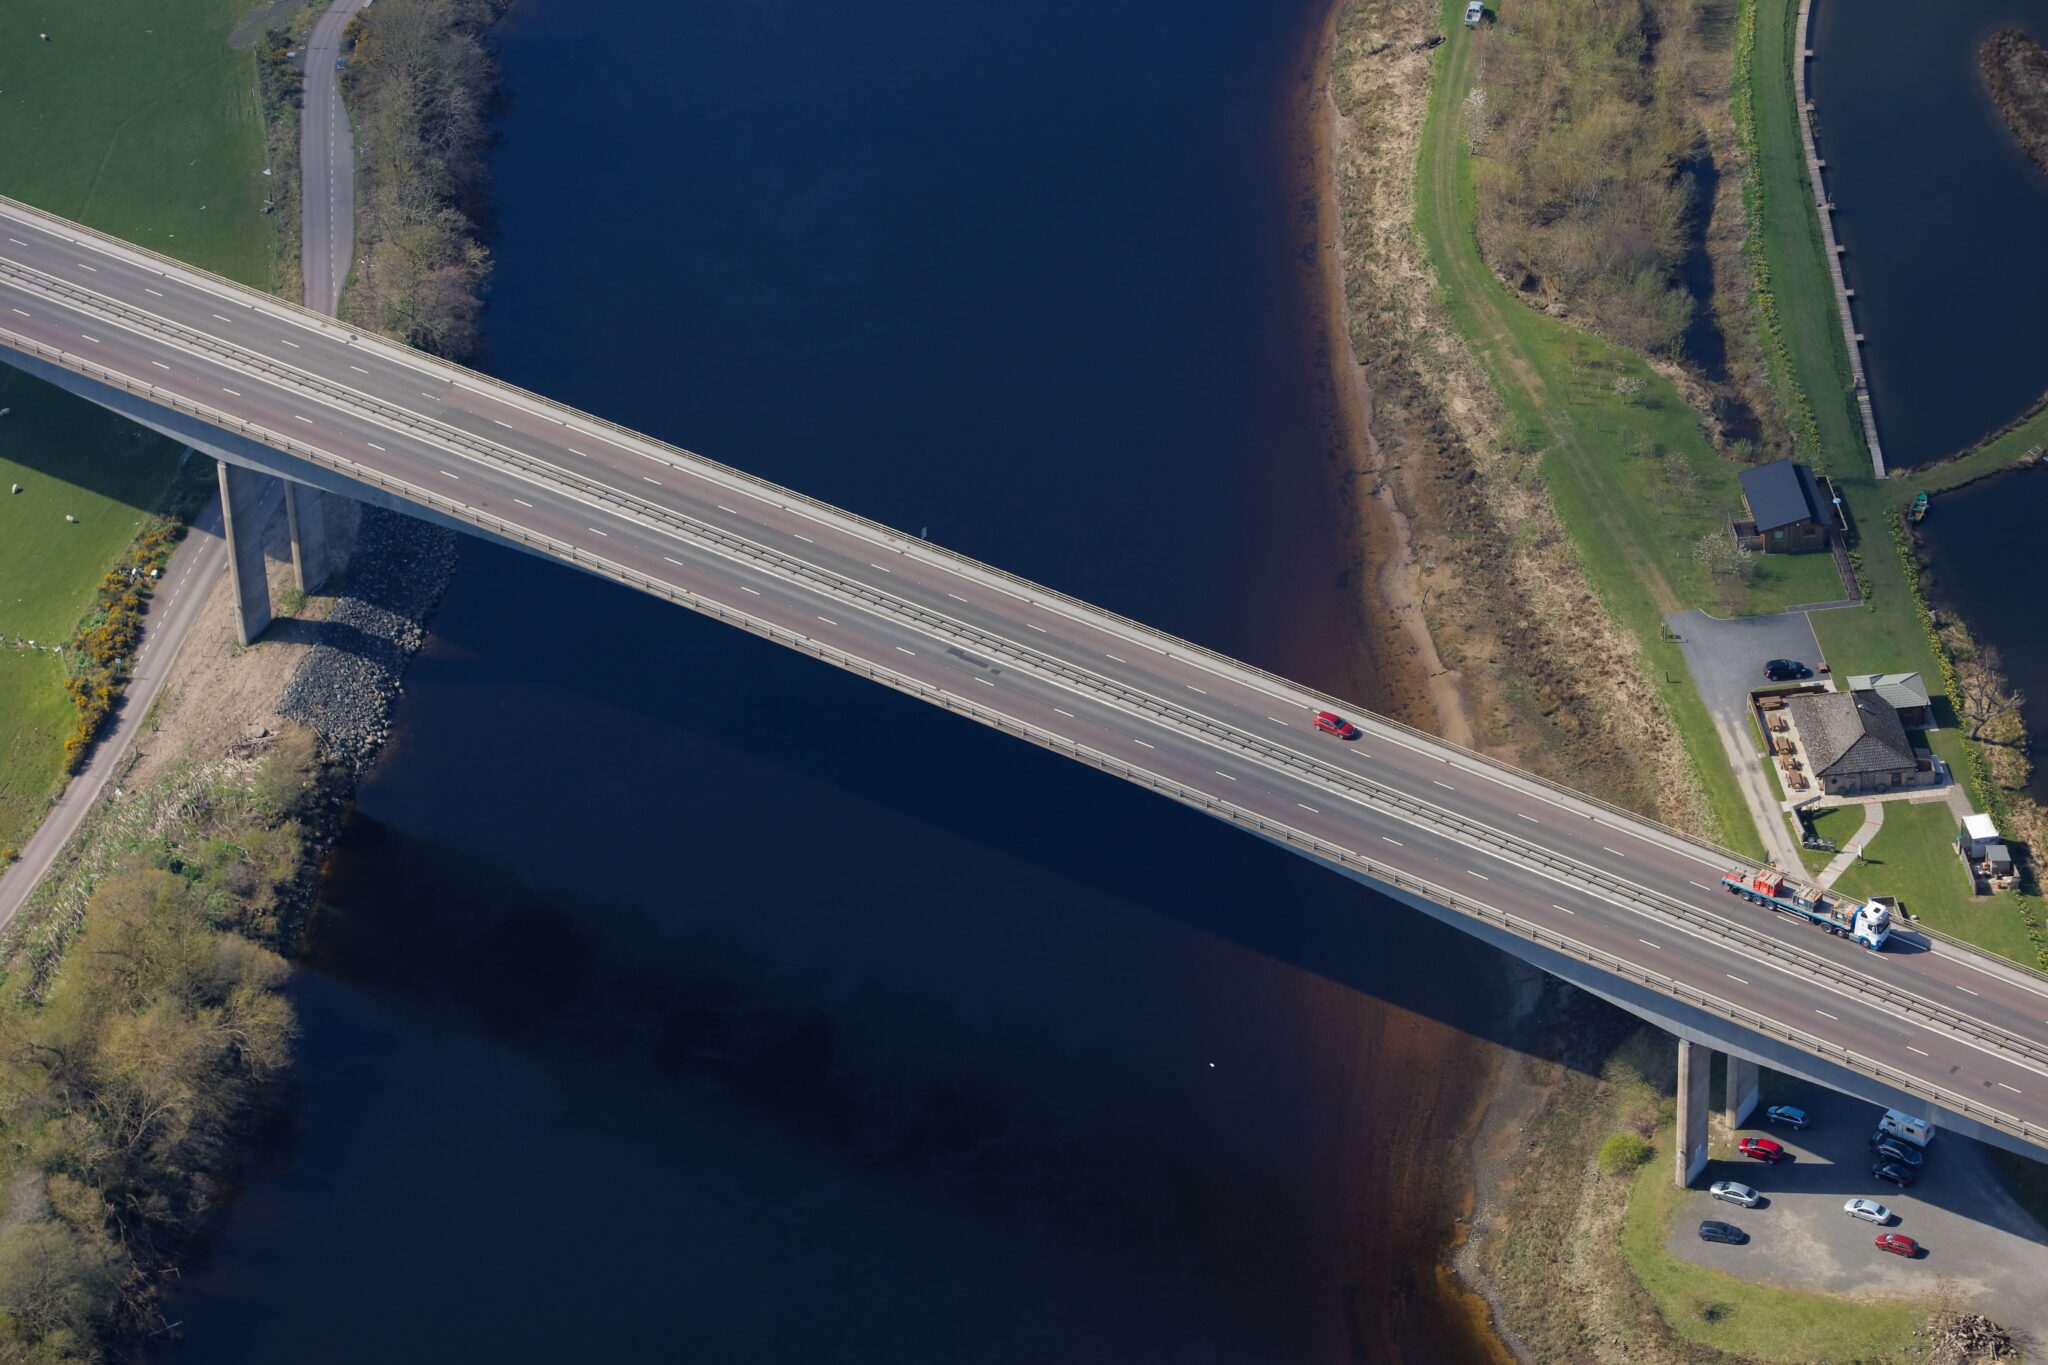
x: 1986, y: 696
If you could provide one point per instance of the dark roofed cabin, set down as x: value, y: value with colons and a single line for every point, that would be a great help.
x: 1791, y: 512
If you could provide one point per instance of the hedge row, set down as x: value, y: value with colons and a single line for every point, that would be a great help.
x: 104, y: 644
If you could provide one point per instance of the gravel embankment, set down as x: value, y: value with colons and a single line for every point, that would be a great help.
x: 346, y: 688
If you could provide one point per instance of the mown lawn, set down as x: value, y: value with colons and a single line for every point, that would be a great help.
x: 1634, y: 481
x: 1753, y: 1319
x: 1914, y: 858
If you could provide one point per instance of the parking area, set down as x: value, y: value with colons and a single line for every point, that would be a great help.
x: 1727, y: 657
x: 1727, y: 662
x: 1969, y: 1230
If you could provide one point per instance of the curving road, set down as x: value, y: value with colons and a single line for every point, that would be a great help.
x: 327, y: 165
x: 1947, y: 1023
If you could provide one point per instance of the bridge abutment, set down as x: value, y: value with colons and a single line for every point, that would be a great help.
x: 1695, y: 1069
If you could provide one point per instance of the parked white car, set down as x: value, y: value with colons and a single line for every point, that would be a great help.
x: 1735, y: 1192
x: 1869, y: 1210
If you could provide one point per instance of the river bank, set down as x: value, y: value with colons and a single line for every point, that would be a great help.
x: 139, y: 1089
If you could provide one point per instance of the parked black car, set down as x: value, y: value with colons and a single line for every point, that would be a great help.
x: 1897, y: 1174
x: 1715, y: 1231
x: 1786, y: 670
x: 1891, y: 1149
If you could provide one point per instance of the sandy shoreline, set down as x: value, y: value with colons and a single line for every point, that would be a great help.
x: 1414, y: 685
x: 1411, y: 684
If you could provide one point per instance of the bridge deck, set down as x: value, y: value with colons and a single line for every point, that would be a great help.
x: 1953, y: 1028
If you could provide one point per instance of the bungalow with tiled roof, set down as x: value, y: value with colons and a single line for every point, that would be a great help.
x: 1855, y: 744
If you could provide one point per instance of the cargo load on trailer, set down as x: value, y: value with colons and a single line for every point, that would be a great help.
x: 1868, y: 922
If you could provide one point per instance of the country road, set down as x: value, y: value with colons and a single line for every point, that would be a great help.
x: 327, y: 165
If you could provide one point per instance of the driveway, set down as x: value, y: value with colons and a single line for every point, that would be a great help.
x: 1968, y: 1227
x: 1727, y: 662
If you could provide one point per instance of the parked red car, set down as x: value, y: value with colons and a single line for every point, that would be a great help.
x: 1762, y: 1149
x: 1330, y: 723
x: 1897, y: 1243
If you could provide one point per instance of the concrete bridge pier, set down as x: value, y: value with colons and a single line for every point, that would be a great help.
x: 305, y: 514
x: 1695, y: 1069
x: 1739, y: 1090
x: 245, y: 511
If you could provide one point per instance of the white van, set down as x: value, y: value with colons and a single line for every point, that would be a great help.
x: 1919, y: 1132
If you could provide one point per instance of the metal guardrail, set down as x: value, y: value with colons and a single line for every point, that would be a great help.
x: 1379, y: 796
x: 917, y: 545
x: 1202, y: 801
x: 1382, y: 797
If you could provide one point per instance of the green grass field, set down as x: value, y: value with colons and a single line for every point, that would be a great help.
x: 138, y: 119
x: 70, y: 458
x: 1750, y: 1319
x: 35, y: 715
x: 1633, y: 479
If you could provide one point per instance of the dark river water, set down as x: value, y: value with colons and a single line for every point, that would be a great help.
x: 1943, y: 217
x: 1985, y: 544
x: 673, y: 997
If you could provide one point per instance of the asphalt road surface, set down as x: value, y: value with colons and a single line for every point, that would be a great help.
x: 326, y: 165
x: 1109, y: 692
x: 195, y: 566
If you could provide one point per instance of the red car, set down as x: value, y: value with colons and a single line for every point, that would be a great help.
x: 1898, y: 1244
x: 1330, y: 723
x: 1763, y: 1149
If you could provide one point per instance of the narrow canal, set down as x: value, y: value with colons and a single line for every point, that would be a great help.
x: 675, y: 997
x: 1941, y: 214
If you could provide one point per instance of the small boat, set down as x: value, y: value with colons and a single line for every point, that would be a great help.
x: 1919, y: 508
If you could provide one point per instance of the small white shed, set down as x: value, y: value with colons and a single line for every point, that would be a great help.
x: 1977, y: 836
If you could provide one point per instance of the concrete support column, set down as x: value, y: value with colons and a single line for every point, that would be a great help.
x: 306, y: 516
x: 245, y: 508
x: 1738, y: 1092
x: 1695, y: 1069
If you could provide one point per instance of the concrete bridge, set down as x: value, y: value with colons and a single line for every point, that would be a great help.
x: 1620, y: 906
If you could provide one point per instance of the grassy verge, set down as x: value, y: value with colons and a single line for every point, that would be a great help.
x: 1620, y: 452
x: 1747, y: 1318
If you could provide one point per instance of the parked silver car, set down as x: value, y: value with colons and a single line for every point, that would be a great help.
x: 1735, y: 1192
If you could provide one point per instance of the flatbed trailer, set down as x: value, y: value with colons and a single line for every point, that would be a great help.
x: 1869, y: 923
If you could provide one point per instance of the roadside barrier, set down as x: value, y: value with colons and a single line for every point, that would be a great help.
x: 1583, y: 878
